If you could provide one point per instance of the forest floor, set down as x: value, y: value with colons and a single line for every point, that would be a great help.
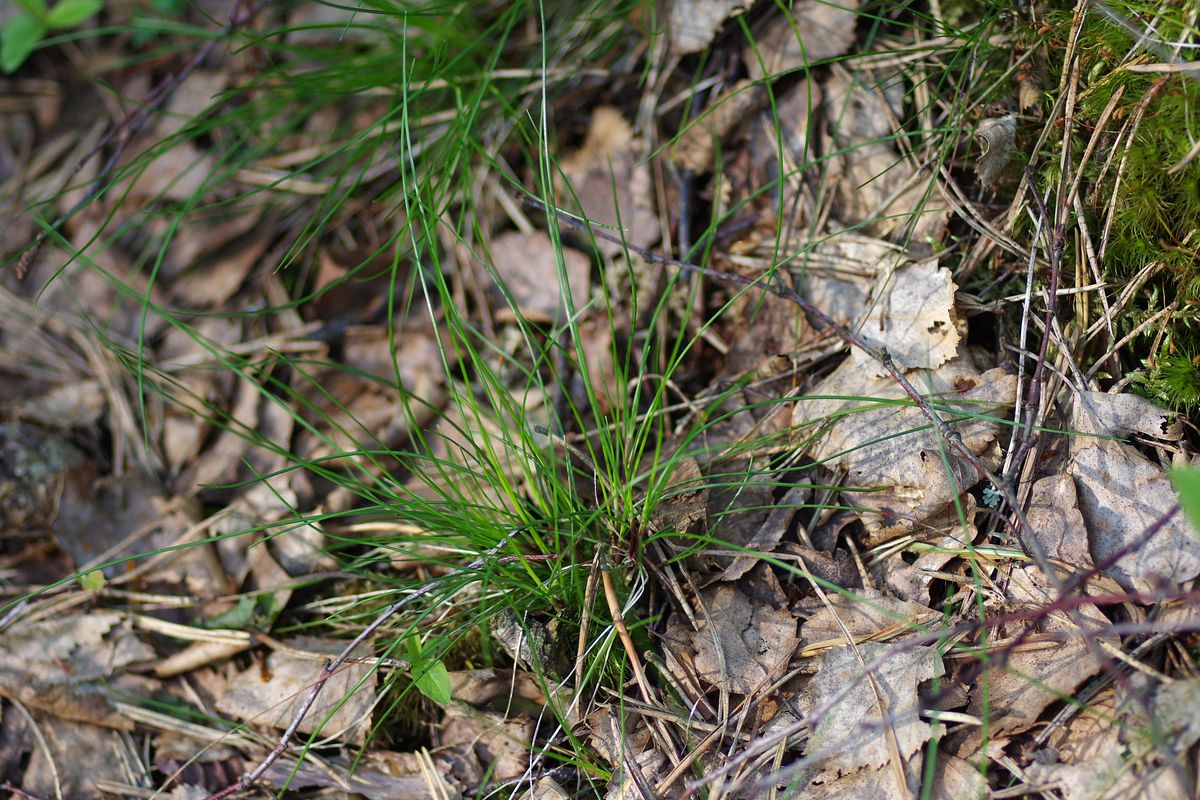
x: 716, y: 399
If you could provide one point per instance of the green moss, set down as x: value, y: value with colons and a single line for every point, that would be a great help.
x: 1155, y: 214
x: 1174, y: 382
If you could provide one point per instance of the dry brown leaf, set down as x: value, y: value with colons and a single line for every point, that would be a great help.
x: 770, y: 533
x: 694, y: 23
x: 78, y: 404
x: 866, y: 613
x: 122, y: 516
x: 711, y: 130
x: 911, y: 315
x: 1042, y: 671
x: 902, y: 477
x: 760, y: 327
x: 398, y: 776
x: 1121, y: 495
x: 197, y: 238
x: 213, y: 283
x: 366, y: 412
x: 1122, y: 414
x: 684, y: 505
x: 483, y: 687
x: 1131, y: 756
x: 1056, y: 522
x: 608, y: 177
x: 527, y: 266
x: 875, y: 188
x: 191, y: 98
x: 624, y: 785
x: 462, y: 437
x: 815, y: 32
x: 615, y: 736
x: 545, y: 789
x: 71, y: 758
x: 739, y: 504
x: 499, y: 743
x: 289, y: 677
x: 756, y: 635
x: 838, y: 275
x: 912, y: 581
x: 66, y: 666
x: 71, y: 649
x: 791, y: 124
x: 852, y: 735
x: 954, y: 779
x: 174, y: 173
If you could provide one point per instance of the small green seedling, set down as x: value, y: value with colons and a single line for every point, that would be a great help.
x: 1187, y: 486
x: 429, y: 674
x: 23, y: 32
x: 92, y: 581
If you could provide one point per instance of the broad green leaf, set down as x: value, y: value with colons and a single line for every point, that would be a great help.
x: 1187, y: 484
x: 433, y: 679
x: 20, y: 36
x: 92, y: 581
x: 35, y: 8
x: 69, y: 13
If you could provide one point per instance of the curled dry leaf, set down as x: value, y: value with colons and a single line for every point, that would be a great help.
x: 610, y: 181
x: 895, y: 464
x: 911, y: 315
x: 998, y: 136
